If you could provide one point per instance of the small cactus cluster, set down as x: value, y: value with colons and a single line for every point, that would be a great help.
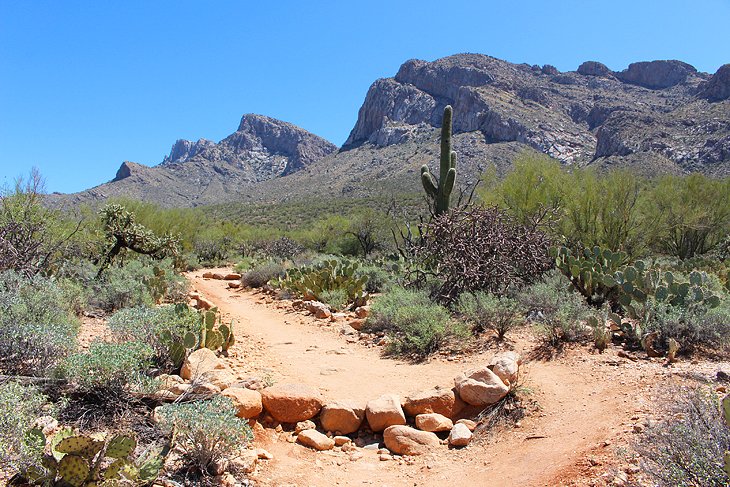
x: 213, y: 335
x: 592, y: 273
x: 440, y: 192
x: 310, y: 282
x: 90, y: 460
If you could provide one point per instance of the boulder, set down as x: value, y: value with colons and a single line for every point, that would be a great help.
x: 433, y: 422
x: 200, y: 362
x: 222, y: 378
x: 480, y: 387
x: 472, y: 425
x: 384, y: 412
x: 506, y: 366
x: 291, y: 403
x: 233, y: 276
x: 167, y: 381
x: 208, y: 275
x: 438, y: 400
x: 319, y: 310
x: 362, y: 311
x: 247, y: 402
x: 404, y: 440
x: 657, y: 75
x: 234, y: 284
x: 315, y: 439
x: 460, y: 435
x: 357, y: 324
x: 594, y: 68
x: 344, y: 417
x: 303, y: 426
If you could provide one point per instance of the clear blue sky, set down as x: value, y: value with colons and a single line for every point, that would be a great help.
x: 85, y: 85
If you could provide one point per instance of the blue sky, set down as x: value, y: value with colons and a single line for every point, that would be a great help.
x: 85, y: 85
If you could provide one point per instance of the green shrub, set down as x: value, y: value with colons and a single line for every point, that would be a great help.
x: 108, y: 367
x: 487, y: 311
x: 37, y: 328
x: 336, y: 299
x: 206, y: 431
x: 261, y: 274
x: 557, y: 311
x: 20, y: 406
x: 686, y: 449
x: 415, y: 325
x: 693, y: 327
x: 378, y: 279
x: 147, y: 324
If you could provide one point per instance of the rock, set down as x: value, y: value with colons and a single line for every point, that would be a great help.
x: 362, y: 311
x: 342, y: 440
x: 404, y: 440
x: 550, y: 70
x: 594, y: 68
x: 222, y: 378
x: 225, y: 480
x: 233, y: 276
x: 385, y: 411
x: 439, y: 400
x: 357, y: 324
x: 204, y: 388
x: 656, y: 74
x: 208, y: 275
x: 245, y: 463
x: 314, y: 439
x: 180, y: 389
x: 480, y: 387
x: 506, y: 366
x: 202, y: 303
x: 234, y: 285
x: 263, y: 454
x: 460, y: 435
x: 247, y: 402
x: 303, y: 426
x: 718, y: 87
x: 291, y: 403
x: 342, y: 416
x: 319, y: 310
x: 433, y: 422
x: 199, y: 362
x: 472, y: 425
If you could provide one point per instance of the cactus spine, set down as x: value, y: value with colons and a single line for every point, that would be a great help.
x: 440, y: 192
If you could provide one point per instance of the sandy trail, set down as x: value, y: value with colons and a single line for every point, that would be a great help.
x: 584, y: 401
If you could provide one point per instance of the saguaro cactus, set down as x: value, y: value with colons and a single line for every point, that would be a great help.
x: 440, y: 192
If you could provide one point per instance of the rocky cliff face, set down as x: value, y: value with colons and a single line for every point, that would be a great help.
x: 665, y: 110
x: 206, y: 172
x: 657, y: 116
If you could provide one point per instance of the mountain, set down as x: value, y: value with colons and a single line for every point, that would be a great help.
x: 205, y: 172
x: 656, y: 117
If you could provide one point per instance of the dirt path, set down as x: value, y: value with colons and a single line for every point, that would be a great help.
x: 588, y: 403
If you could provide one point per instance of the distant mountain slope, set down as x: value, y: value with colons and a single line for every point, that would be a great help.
x: 205, y: 172
x: 657, y: 117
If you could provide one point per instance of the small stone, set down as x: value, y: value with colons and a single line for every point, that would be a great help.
x: 384, y: 457
x: 342, y: 440
x: 355, y: 456
x: 263, y: 454
x: 245, y: 463
x: 314, y: 439
x: 304, y: 425
x: 460, y: 435
x: 472, y: 425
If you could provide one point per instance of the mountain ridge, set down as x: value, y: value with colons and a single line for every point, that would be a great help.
x: 655, y: 116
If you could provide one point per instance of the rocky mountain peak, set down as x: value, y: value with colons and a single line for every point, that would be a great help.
x: 718, y: 87
x: 127, y: 169
x: 657, y: 74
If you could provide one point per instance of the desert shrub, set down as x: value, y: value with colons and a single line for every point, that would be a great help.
x: 479, y: 249
x: 378, y: 279
x: 415, y: 325
x: 211, y: 251
x: 686, y: 449
x: 20, y: 406
x: 122, y: 287
x: 262, y: 273
x: 557, y: 311
x: 147, y: 324
x: 488, y: 312
x: 282, y: 248
x: 693, y: 327
x: 206, y: 431
x: 37, y: 328
x: 108, y: 367
x: 335, y: 298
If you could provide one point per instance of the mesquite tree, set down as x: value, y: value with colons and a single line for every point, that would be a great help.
x: 123, y: 232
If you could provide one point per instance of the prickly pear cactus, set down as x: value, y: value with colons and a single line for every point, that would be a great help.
x: 121, y: 446
x: 74, y: 470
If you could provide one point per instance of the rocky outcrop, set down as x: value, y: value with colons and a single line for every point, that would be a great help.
x: 594, y: 68
x: 718, y: 88
x: 183, y: 150
x: 656, y: 75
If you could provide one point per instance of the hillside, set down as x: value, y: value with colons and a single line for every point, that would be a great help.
x: 656, y: 117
